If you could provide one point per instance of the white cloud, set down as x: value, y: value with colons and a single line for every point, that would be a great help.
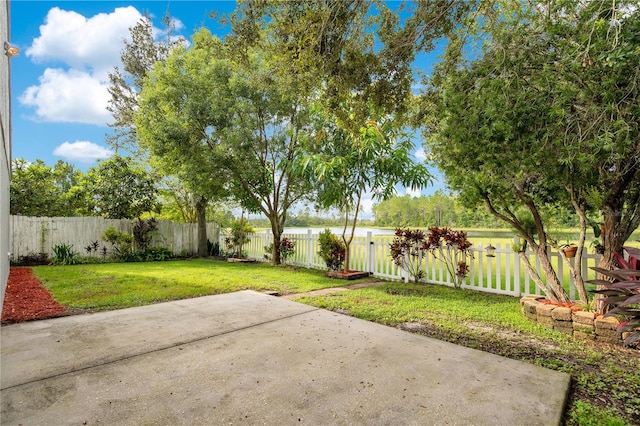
x: 94, y: 43
x: 82, y: 151
x: 414, y: 192
x: 417, y: 87
x: 420, y: 154
x: 68, y: 97
x: 176, y: 24
x: 83, y: 50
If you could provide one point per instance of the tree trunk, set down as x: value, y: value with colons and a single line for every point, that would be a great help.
x: 348, y: 241
x: 552, y: 278
x: 553, y: 289
x: 201, y: 212
x: 347, y: 245
x: 276, y: 231
x: 612, y: 241
x: 576, y: 267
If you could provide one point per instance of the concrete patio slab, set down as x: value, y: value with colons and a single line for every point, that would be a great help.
x: 248, y: 358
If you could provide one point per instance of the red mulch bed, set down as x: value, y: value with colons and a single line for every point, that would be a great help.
x: 25, y: 299
x: 572, y: 305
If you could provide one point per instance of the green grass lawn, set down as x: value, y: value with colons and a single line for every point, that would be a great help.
x: 122, y: 285
x: 605, y: 379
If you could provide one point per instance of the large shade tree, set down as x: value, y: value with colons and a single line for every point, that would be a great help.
x: 599, y: 78
x: 138, y: 58
x: 224, y: 115
x: 530, y: 121
x: 599, y: 82
x: 178, y: 115
x: 117, y: 189
x: 353, y: 59
x: 357, y: 50
x: 40, y: 190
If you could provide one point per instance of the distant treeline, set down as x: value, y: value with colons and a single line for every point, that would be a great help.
x: 438, y: 209
x: 307, y: 218
x: 441, y: 209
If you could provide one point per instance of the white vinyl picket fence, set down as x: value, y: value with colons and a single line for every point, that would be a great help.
x: 34, y: 235
x: 502, y: 274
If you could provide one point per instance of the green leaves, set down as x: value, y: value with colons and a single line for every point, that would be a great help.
x: 117, y: 190
x: 622, y: 293
x: 40, y: 190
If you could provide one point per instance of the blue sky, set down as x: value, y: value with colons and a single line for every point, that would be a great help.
x: 59, y: 80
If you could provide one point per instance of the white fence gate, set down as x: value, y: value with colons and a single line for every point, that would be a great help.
x: 35, y: 235
x: 502, y: 274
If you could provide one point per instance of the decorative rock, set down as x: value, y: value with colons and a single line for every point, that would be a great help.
x: 609, y: 323
x: 614, y: 340
x: 544, y: 314
x: 564, y: 329
x: 583, y: 317
x: 562, y: 324
x: 525, y: 299
x: 544, y: 310
x: 530, y: 306
x: 608, y: 336
x: 561, y: 313
x: 545, y: 320
x: 580, y: 324
x: 584, y: 328
x: 583, y: 335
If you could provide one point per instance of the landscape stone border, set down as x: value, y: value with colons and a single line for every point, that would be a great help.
x: 579, y: 324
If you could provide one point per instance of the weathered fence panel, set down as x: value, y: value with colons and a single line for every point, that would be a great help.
x: 34, y: 235
x: 502, y: 274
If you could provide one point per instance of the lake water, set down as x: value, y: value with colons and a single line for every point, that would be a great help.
x: 360, y: 232
x: 473, y: 235
x: 502, y: 236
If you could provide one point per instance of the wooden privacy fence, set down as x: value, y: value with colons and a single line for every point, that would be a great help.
x: 503, y: 274
x: 34, y: 235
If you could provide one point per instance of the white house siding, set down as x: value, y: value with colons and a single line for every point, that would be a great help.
x: 5, y: 151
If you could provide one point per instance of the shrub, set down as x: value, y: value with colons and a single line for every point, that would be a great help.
x: 239, y: 237
x: 623, y: 293
x: 121, y: 242
x: 63, y: 254
x: 92, y: 248
x: 453, y: 247
x: 287, y: 249
x: 151, y: 254
x: 31, y: 259
x: 332, y: 250
x: 159, y: 254
x: 409, y: 247
x: 407, y: 251
x: 144, y: 231
x: 213, y: 248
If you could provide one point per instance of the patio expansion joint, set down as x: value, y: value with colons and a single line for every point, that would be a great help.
x: 159, y: 349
